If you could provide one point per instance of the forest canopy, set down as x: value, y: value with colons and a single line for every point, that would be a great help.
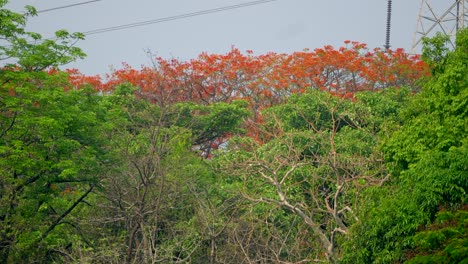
x: 332, y: 155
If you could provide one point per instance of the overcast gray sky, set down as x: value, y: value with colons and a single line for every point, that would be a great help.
x: 278, y: 26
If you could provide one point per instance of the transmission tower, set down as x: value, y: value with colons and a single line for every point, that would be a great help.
x: 447, y: 18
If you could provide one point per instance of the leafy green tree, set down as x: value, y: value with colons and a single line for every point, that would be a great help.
x: 213, y: 124
x: 51, y: 146
x: 443, y: 241
x: 28, y: 50
x: 159, y: 204
x: 317, y: 152
x: 427, y: 157
x: 52, y: 153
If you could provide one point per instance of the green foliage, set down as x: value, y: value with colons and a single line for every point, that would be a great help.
x: 444, y: 241
x: 437, y: 117
x: 209, y: 124
x: 379, y: 112
x: 52, y: 149
x: 214, y: 121
x: 112, y: 178
x: 427, y: 156
x: 435, y: 51
x: 27, y: 49
x: 316, y: 153
x: 161, y: 199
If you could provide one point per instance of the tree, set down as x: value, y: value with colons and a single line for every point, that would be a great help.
x: 52, y: 153
x: 443, y: 241
x: 28, y: 50
x: 228, y: 157
x: 427, y: 156
x: 268, y: 79
x: 156, y: 206
x: 51, y: 147
x: 313, y: 157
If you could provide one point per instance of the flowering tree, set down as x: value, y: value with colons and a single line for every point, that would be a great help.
x: 265, y: 80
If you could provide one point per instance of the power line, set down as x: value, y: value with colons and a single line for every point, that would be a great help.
x: 176, y: 17
x: 67, y: 6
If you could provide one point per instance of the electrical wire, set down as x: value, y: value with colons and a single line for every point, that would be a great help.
x: 66, y: 6
x: 176, y: 17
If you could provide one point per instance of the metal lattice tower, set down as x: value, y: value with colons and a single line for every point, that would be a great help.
x: 447, y: 18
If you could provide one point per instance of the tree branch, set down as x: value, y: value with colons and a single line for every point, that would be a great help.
x: 67, y: 212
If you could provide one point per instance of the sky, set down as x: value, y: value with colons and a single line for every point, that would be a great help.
x: 281, y: 26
